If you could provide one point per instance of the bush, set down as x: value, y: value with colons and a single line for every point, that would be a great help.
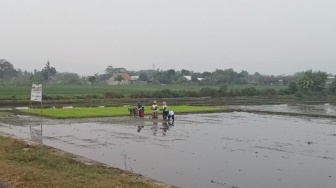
x: 268, y: 92
x: 110, y: 95
x: 204, y: 92
x: 249, y: 91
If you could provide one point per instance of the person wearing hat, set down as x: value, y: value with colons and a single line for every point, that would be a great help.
x: 155, y: 110
x: 141, y: 109
x: 164, y: 110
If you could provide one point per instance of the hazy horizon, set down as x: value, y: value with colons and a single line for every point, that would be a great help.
x: 84, y: 37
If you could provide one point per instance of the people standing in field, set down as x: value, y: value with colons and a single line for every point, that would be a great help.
x: 141, y: 109
x: 171, y: 115
x: 155, y: 110
x: 164, y: 110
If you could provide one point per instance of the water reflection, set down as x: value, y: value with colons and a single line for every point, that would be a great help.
x: 166, y: 125
x: 324, y: 109
x: 207, y: 150
x: 155, y: 127
x: 36, y: 134
x: 139, y: 128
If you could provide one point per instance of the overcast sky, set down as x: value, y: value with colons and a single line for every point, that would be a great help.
x: 85, y: 36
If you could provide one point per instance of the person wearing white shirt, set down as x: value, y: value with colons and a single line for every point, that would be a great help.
x: 171, y: 115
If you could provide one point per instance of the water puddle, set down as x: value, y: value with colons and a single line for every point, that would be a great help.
x: 240, y: 150
x: 322, y: 109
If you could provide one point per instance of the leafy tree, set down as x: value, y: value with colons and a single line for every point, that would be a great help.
x: 313, y: 81
x: 37, y: 77
x: 292, y: 88
x: 102, y: 77
x: 24, y: 78
x: 245, y: 75
x: 118, y: 78
x: 332, y: 87
x: 111, y: 70
x: 223, y: 90
x: 171, y: 73
x: 143, y: 77
x: 162, y: 77
x: 256, y: 77
x: 195, y: 76
x: 92, y: 79
x: 185, y: 72
x: 206, y: 74
x: 67, y: 78
x: 7, y: 70
x: 48, y: 72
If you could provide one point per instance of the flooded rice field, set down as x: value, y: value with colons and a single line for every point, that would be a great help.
x: 321, y: 109
x: 236, y: 150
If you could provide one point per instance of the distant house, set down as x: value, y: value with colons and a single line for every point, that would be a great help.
x: 187, y: 77
x: 151, y: 79
x: 134, y: 77
x: 270, y: 80
x: 126, y: 79
x: 330, y: 79
x: 135, y: 81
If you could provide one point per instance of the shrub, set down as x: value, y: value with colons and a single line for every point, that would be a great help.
x: 249, y: 91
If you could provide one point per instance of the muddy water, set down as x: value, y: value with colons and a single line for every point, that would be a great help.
x: 207, y: 150
x: 322, y: 109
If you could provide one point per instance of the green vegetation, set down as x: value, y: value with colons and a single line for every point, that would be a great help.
x: 15, y: 84
x: 72, y: 91
x: 23, y: 165
x: 109, y: 111
x: 101, y: 91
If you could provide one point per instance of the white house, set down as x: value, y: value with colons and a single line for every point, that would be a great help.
x: 188, y: 78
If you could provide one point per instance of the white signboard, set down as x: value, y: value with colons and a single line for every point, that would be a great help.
x: 36, y: 93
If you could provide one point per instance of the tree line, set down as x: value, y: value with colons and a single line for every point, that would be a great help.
x: 302, y: 83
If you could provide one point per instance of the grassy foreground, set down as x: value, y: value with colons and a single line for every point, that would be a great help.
x: 111, y: 111
x: 23, y: 165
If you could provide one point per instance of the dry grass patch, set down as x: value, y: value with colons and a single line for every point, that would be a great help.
x: 24, y: 165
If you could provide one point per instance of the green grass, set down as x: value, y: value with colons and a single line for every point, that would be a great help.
x: 4, y: 114
x: 24, y: 165
x: 75, y: 90
x: 78, y: 90
x: 110, y: 111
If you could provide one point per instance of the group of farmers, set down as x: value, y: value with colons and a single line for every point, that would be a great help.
x: 166, y: 114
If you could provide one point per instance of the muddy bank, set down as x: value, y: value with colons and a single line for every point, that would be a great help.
x: 126, y: 176
x: 319, y: 110
x: 204, y: 150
